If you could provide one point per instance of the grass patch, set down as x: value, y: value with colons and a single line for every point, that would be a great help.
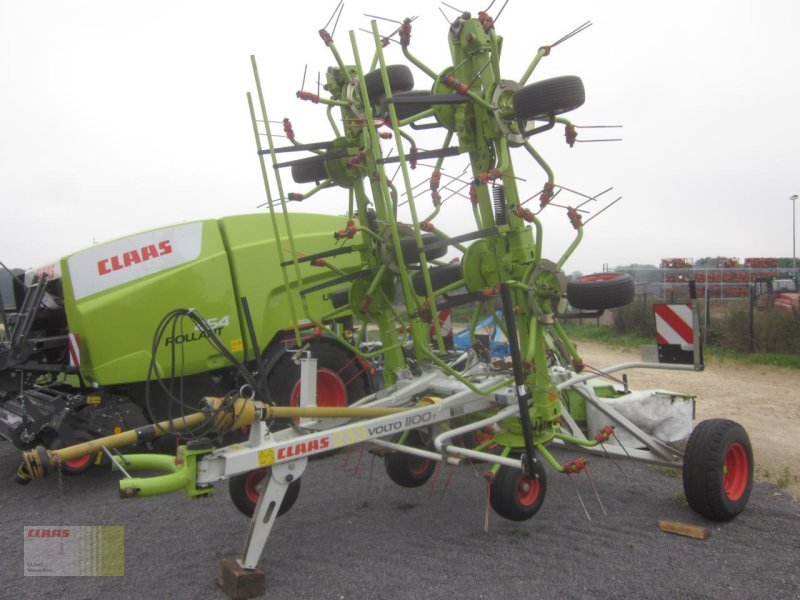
x: 668, y: 471
x: 785, y: 479
x: 605, y: 335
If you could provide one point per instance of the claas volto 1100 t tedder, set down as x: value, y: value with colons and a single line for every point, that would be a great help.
x: 388, y: 266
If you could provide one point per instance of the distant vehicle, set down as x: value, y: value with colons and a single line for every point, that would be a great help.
x: 770, y: 292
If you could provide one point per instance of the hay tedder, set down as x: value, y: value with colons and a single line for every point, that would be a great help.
x: 437, y: 405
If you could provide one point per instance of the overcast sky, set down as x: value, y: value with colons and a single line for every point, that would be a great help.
x: 116, y: 117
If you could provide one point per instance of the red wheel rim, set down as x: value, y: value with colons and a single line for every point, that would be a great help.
x: 418, y: 466
x: 251, y: 485
x: 527, y: 490
x: 599, y: 277
x: 78, y: 463
x: 331, y: 390
x: 736, y: 471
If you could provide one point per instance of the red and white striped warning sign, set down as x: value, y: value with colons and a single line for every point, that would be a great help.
x: 674, y: 325
x: 74, y: 350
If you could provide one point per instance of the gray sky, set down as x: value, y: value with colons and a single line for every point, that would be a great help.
x: 119, y: 117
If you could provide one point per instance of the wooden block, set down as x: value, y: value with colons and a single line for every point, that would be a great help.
x: 240, y: 583
x: 684, y: 529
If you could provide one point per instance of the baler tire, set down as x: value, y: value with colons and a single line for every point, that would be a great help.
x: 336, y: 368
x: 601, y: 291
x: 549, y: 97
x: 718, y: 469
x: 408, y: 470
x: 508, y: 494
x: 244, y: 492
x: 401, y: 79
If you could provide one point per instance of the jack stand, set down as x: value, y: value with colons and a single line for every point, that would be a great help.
x: 241, y: 578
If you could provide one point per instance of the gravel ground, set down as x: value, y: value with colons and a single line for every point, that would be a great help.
x: 357, y: 535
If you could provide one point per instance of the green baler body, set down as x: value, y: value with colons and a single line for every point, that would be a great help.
x: 116, y: 293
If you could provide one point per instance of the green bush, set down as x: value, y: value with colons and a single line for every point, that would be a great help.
x: 636, y: 318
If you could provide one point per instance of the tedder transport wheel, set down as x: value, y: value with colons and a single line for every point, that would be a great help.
x: 339, y: 378
x: 601, y: 291
x: 400, y: 80
x: 718, y: 469
x: 514, y: 496
x: 408, y: 248
x: 308, y: 172
x: 549, y: 97
x: 406, y: 469
x: 246, y: 488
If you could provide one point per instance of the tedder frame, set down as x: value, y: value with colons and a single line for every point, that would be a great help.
x: 437, y: 405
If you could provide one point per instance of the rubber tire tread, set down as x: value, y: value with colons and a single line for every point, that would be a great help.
x: 599, y: 295
x: 408, y: 248
x: 440, y: 277
x: 702, y: 469
x: 398, y: 464
x: 503, y: 493
x: 401, y: 79
x: 310, y: 172
x: 236, y: 490
x: 549, y: 97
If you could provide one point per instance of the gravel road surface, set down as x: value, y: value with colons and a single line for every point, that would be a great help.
x: 355, y: 535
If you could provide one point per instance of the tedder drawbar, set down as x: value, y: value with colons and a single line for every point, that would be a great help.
x: 437, y: 404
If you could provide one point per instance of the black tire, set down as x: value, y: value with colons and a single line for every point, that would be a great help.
x: 245, y: 489
x: 440, y: 277
x: 75, y: 466
x: 340, y: 298
x: 400, y: 80
x: 515, y: 497
x: 549, y: 97
x: 408, y: 248
x: 310, y: 172
x: 601, y: 291
x: 718, y: 469
x: 404, y: 110
x: 338, y: 372
x: 408, y: 470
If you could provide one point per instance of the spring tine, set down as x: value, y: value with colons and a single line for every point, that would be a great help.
x: 434, y: 479
x: 611, y: 458
x: 358, y: 460
x: 487, y: 514
x: 341, y: 10
x: 619, y: 441
x: 599, y: 140
x: 453, y: 8
x: 595, y: 197
x: 447, y: 481
x: 602, y: 211
x: 333, y: 14
x: 594, y: 487
x: 579, y: 497
x: 501, y: 11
